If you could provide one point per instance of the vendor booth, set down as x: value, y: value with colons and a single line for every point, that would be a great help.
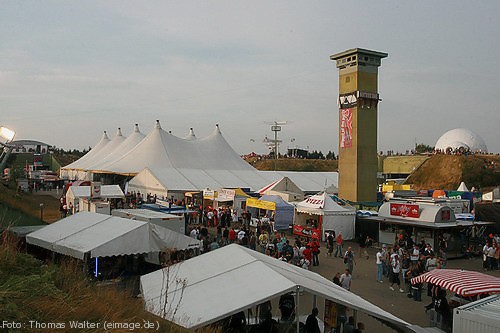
x: 235, y: 199
x: 320, y: 213
x: 420, y: 220
x: 281, y: 212
x: 77, y: 193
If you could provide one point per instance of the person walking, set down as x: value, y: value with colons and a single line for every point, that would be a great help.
x: 345, y: 280
x: 339, y: 243
x: 379, y: 262
x: 349, y: 259
x: 396, y: 269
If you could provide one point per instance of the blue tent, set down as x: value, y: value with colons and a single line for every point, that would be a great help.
x: 283, y: 217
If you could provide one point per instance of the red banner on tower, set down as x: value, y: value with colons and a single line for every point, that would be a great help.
x: 345, y: 128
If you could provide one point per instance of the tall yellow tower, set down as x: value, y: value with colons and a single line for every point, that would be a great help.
x: 358, y: 100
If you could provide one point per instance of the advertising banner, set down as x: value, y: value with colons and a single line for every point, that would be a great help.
x: 262, y: 204
x: 405, y: 210
x: 307, y: 232
x: 346, y: 128
x: 225, y: 195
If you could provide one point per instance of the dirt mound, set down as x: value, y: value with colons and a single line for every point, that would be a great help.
x: 447, y: 171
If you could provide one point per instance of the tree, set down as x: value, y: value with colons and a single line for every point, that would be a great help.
x: 423, y: 148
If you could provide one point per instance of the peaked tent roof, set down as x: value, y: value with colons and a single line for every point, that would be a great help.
x: 462, y: 187
x: 150, y: 152
x: 222, y: 272
x: 208, y: 162
x: 115, y: 142
x: 279, y: 201
x: 104, y: 235
x: 94, y: 151
x: 322, y: 204
x: 127, y: 145
x: 191, y: 135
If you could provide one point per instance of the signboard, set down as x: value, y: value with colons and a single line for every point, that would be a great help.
x: 368, y: 95
x: 37, y: 160
x: 95, y: 190
x: 405, y: 210
x: 262, y: 204
x: 330, y: 318
x: 209, y: 194
x: 345, y: 128
x: 225, y: 195
x: 348, y: 100
x: 306, y: 232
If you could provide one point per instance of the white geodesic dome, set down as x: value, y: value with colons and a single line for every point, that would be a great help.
x: 461, y: 138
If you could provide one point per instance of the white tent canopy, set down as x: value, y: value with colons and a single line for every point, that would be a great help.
x: 184, y: 164
x: 102, y: 235
x: 107, y: 192
x: 335, y: 217
x: 233, y: 270
x: 463, y: 187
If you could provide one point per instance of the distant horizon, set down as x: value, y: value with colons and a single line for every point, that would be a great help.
x: 70, y: 70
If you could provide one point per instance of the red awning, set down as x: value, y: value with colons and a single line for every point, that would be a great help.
x: 465, y: 283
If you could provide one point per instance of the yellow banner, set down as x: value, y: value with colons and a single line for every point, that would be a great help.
x: 262, y: 204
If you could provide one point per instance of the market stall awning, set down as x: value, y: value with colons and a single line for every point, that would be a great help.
x: 262, y: 204
x: 465, y: 283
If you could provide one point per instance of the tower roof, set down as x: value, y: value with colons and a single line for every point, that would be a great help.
x: 349, y: 52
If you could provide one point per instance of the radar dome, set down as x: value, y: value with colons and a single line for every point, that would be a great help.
x: 461, y: 138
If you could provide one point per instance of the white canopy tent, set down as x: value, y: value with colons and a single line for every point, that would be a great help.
x: 75, y: 193
x: 233, y: 270
x: 333, y: 216
x: 74, y: 170
x: 462, y: 187
x: 101, y: 235
x: 184, y: 164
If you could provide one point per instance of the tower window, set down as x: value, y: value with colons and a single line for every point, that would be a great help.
x: 347, y: 79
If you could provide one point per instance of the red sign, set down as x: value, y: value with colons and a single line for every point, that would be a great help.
x: 345, y: 128
x: 307, y: 232
x: 405, y: 210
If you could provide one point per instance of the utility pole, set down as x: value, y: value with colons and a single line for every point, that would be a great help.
x: 276, y: 127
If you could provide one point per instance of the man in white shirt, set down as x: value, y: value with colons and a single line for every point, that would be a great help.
x: 345, y: 280
x: 379, y: 261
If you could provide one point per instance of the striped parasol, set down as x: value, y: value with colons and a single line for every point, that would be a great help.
x: 465, y: 283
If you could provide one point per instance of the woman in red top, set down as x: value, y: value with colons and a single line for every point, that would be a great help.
x: 315, y: 245
x: 339, y: 243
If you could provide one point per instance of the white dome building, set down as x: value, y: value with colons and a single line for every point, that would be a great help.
x: 461, y: 138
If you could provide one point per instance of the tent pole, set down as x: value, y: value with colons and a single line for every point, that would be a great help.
x: 297, y: 292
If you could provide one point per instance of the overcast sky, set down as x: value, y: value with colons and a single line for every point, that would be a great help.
x: 71, y: 69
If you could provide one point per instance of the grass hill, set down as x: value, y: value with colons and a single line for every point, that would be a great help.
x: 46, y: 297
x: 447, y: 171
x: 291, y: 164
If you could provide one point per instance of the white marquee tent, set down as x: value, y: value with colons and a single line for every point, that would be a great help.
x: 333, y: 216
x: 223, y: 272
x: 100, y: 235
x: 74, y: 170
x: 184, y: 164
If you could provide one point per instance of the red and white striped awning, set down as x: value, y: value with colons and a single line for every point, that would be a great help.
x: 465, y: 283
